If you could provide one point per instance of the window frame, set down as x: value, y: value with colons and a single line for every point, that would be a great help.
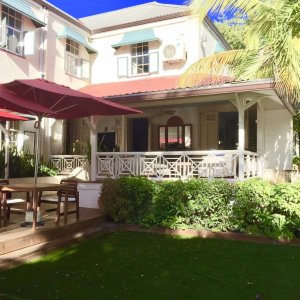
x: 13, y: 28
x: 72, y: 52
x: 140, y: 53
x: 180, y: 128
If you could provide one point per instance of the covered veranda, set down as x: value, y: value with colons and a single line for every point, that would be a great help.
x: 220, y: 131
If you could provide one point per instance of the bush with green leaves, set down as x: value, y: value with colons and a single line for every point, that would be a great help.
x: 264, y: 208
x: 253, y: 206
x: 22, y: 164
x: 127, y: 199
x: 197, y: 203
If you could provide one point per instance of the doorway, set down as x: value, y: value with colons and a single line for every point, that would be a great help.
x: 138, y: 135
x: 228, y: 130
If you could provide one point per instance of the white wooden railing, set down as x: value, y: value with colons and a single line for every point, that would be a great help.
x: 67, y: 163
x: 163, y: 165
x: 175, y: 165
x: 251, y: 165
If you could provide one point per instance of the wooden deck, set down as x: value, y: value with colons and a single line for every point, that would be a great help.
x: 18, y: 244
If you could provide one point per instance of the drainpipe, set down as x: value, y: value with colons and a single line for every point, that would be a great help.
x: 42, y: 47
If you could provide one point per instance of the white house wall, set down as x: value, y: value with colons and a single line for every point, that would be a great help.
x: 188, y: 29
x: 13, y: 66
x: 55, y: 50
x: 278, y: 140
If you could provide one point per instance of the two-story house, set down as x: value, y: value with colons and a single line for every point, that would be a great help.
x: 135, y: 56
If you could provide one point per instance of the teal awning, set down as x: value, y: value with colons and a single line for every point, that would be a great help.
x: 134, y: 37
x: 74, y: 35
x: 23, y: 8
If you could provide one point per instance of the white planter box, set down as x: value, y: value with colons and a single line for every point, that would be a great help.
x: 89, y: 193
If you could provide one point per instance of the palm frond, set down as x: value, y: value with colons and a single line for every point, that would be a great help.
x: 272, y: 45
x: 215, y: 69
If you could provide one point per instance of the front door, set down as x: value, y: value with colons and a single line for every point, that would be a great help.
x: 228, y: 130
x: 139, y: 135
x: 219, y: 131
x: 209, y: 131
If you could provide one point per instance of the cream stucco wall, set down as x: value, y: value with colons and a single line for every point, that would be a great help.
x: 55, y: 53
x: 278, y: 140
x: 198, y: 41
x: 14, y: 66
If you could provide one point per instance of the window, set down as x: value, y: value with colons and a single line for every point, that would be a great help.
x: 74, y: 64
x: 175, y: 136
x: 140, y: 58
x: 141, y: 61
x: 11, y: 36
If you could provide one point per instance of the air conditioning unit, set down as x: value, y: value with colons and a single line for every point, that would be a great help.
x: 174, y: 52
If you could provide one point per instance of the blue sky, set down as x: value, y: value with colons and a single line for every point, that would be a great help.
x: 83, y: 8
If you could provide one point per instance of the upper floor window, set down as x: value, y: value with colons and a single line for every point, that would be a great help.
x: 11, y: 36
x: 140, y: 61
x: 140, y: 58
x: 75, y: 65
x: 72, y: 47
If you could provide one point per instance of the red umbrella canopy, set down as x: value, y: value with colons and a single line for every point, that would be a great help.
x: 64, y: 101
x: 7, y: 116
x: 11, y: 101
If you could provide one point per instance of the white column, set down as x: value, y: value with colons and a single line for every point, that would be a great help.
x: 93, y: 141
x: 241, y: 148
x: 92, y: 123
x: 241, y: 107
x: 260, y: 137
x: 124, y: 134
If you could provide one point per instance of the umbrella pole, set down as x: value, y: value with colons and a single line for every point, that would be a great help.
x: 7, y: 140
x: 37, y: 125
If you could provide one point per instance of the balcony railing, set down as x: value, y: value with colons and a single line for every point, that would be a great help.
x: 67, y: 163
x: 176, y: 164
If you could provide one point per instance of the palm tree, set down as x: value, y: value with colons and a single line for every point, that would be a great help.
x: 272, y: 45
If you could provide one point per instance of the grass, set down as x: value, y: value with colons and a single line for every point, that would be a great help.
x: 145, y: 266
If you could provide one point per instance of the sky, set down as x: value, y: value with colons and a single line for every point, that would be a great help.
x: 83, y: 8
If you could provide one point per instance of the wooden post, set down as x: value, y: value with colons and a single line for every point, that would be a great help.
x: 92, y: 123
x: 242, y: 105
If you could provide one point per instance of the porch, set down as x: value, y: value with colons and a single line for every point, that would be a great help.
x: 234, y: 131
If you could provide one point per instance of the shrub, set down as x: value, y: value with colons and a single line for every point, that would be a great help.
x: 253, y: 206
x: 287, y: 204
x: 127, y: 199
x: 21, y: 164
x: 198, y: 203
x: 263, y: 208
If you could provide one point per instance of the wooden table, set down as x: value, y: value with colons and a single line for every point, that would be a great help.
x: 35, y: 189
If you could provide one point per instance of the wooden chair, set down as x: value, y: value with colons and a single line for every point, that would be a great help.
x: 10, y: 201
x: 73, y: 197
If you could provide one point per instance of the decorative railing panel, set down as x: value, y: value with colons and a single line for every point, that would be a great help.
x: 67, y: 163
x: 173, y: 165
x: 251, y: 164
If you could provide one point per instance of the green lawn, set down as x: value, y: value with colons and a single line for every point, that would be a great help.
x: 145, y: 266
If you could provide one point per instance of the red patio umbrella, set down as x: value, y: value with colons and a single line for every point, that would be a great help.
x: 7, y: 116
x: 11, y: 101
x: 64, y: 101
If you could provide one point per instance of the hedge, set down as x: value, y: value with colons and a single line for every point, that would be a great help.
x: 254, y: 206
